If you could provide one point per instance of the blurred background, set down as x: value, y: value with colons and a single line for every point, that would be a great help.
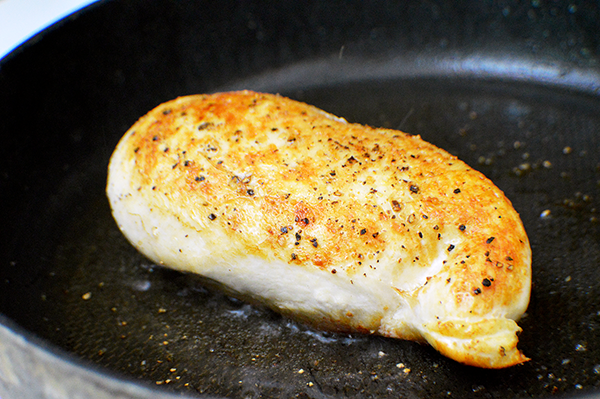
x: 22, y: 19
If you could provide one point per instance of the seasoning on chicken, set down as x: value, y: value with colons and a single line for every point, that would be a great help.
x: 343, y: 226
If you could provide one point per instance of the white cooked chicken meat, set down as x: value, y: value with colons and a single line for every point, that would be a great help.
x: 346, y: 227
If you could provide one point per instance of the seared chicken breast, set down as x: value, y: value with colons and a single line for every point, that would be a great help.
x: 346, y: 227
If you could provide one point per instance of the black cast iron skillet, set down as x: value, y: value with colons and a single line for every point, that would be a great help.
x: 512, y: 88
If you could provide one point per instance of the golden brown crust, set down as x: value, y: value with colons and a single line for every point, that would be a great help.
x: 285, y: 181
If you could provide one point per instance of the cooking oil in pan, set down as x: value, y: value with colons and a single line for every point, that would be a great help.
x: 105, y: 303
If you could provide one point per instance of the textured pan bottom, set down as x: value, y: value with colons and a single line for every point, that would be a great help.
x: 105, y: 303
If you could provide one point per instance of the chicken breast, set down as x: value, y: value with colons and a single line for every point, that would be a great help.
x: 343, y: 226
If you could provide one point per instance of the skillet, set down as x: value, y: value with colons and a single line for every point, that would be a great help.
x: 511, y: 88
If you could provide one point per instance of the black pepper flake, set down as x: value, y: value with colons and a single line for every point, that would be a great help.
x: 136, y: 149
x: 212, y: 216
x: 187, y: 163
x: 414, y: 188
x: 333, y: 271
x: 204, y: 125
x: 462, y: 227
x: 284, y: 230
x: 314, y: 242
x: 375, y: 234
x: 166, y: 112
x: 363, y: 231
x: 486, y: 282
x: 508, y: 258
x: 155, y: 138
x: 477, y: 291
x: 250, y: 191
x: 450, y: 247
x: 298, y: 237
x: 489, y: 240
x: 200, y: 178
x: 457, y: 191
x: 294, y: 256
x: 305, y: 220
x: 420, y: 234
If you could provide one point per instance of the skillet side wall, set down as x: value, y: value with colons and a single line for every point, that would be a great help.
x: 67, y: 96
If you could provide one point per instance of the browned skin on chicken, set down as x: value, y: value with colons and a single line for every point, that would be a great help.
x: 431, y: 247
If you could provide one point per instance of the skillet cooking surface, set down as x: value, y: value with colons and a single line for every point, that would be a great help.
x: 124, y: 313
x: 71, y: 278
